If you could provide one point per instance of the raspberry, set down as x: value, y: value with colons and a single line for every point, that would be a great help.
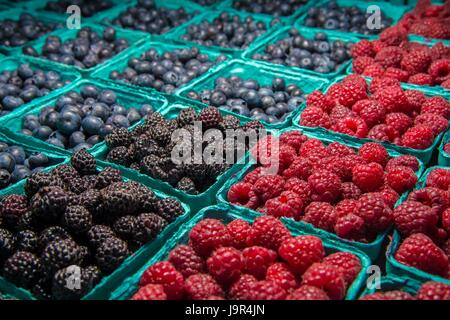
x: 349, y: 93
x: 382, y: 132
x: 440, y: 70
x: 392, y: 98
x: 368, y: 177
x: 352, y: 126
x: 301, y: 252
x: 401, y: 179
x: 357, y: 79
x: 301, y: 188
x: 300, y: 168
x: 446, y: 84
x: 165, y: 274
x: 350, y: 227
x: 434, y: 121
x: 313, y: 147
x: 253, y: 175
x: 257, y: 260
x: 201, y: 286
x: 393, y: 36
x: 150, y: 292
x: 421, y: 79
x: 308, y: 293
x: 375, y: 213
x: 286, y: 155
x: 363, y: 48
x: 415, y: 99
x: 269, y: 232
x: 318, y: 99
x: 282, y: 275
x: 339, y: 149
x: 315, y: 117
x: 389, y: 56
x: 350, y: 162
x: 267, y: 290
x: 403, y: 160
x: 414, y: 217
x: 326, y: 277
x: 416, y: 61
x: 432, y: 197
x: 446, y: 220
x: 439, y: 50
x: 374, y: 152
x: 207, y: 235
x: 239, y: 230
x: 374, y: 70
x: 418, y: 137
x: 325, y: 186
x: 295, y: 139
x: 396, y: 73
x: 268, y: 187
x: 373, y: 114
x: 242, y: 194
x: 321, y: 215
x: 333, y: 164
x: 388, y: 295
x: 437, y: 105
x: 382, y: 82
x: 186, y: 261
x: 242, y: 288
x: 433, y: 290
x: 345, y: 207
x: 347, y: 263
x: 288, y: 204
x: 362, y: 62
x: 225, y: 265
x: 340, y: 112
x: 439, y: 178
x: 350, y: 190
x: 390, y: 197
x: 399, y: 121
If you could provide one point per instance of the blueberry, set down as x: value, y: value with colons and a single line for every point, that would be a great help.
x: 68, y: 122
x: 145, y: 110
x: 107, y: 96
x: 252, y: 98
x: 37, y: 159
x: 101, y: 110
x: 118, y: 121
x: 260, y: 117
x: 19, y: 173
x: 264, y: 91
x: 50, y: 119
x: 25, y: 71
x: 294, y: 103
x: 93, y: 140
x: 306, y: 63
x: 7, y: 161
x: 278, y: 84
x: 89, y: 91
x: 10, y: 102
x: 80, y: 147
x: 92, y: 125
x: 3, y: 146
x: 133, y: 116
x: 267, y: 102
x: 240, y: 109
x: 18, y: 153
x: 5, y: 178
x: 118, y: 109
x: 76, y: 138
x: 106, y: 129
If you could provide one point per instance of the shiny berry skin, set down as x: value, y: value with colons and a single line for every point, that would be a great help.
x: 287, y: 204
x: 374, y: 152
x: 325, y: 186
x: 267, y: 290
x: 269, y: 232
x: 225, y: 265
x: 301, y: 252
x: 353, y: 126
x: 348, y: 264
x: 242, y: 194
x: 186, y: 261
x: 403, y: 160
x: 150, y: 292
x: 306, y: 292
x: 240, y: 232
x: 268, y: 187
x: 374, y: 211
x: 368, y: 177
x: 257, y: 260
x: 243, y: 287
x: 439, y: 178
x: 208, y: 235
x: 165, y: 274
x: 350, y: 227
x: 281, y: 274
x: 201, y: 286
x: 326, y: 277
x: 418, y: 137
x: 401, y: 179
x: 321, y: 215
x: 414, y: 217
x: 433, y: 290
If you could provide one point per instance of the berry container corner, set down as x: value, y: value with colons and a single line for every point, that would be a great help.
x: 388, y: 283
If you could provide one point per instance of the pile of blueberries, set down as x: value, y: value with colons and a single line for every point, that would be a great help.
x: 276, y: 8
x: 227, y: 31
x: 269, y: 103
x: 167, y: 71
x: 348, y: 19
x: 318, y: 54
x: 147, y: 17
x: 24, y: 84
x: 16, y: 164
x: 80, y: 120
x: 88, y: 7
x: 14, y: 33
x: 87, y: 50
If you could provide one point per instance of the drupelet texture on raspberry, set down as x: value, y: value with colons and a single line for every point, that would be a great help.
x: 208, y: 235
x: 301, y: 252
x: 326, y: 277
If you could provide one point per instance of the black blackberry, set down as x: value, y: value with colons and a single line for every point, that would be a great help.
x: 107, y: 176
x: 119, y: 199
x: 175, y: 174
x: 60, y: 254
x: 229, y: 122
x: 38, y: 180
x: 155, y: 167
x: 49, y: 203
x: 77, y: 219
x: 28, y: 221
x: 135, y: 166
x: 93, y: 275
x: 186, y: 117
x: 71, y: 283
x: 13, y: 207
x: 197, y: 172
x: 148, y: 226
x: 216, y: 169
x: 6, y: 244
x: 155, y: 119
x: 22, y: 268
x: 125, y: 227
x: 145, y: 197
x: 143, y: 147
x: 210, y: 118
x: 118, y: 137
x: 161, y: 134
x: 84, y: 162
x: 169, y: 208
x: 42, y: 289
x: 111, y: 253
x: 90, y: 180
x: 253, y: 125
x: 86, y: 255
x: 118, y: 155
x: 98, y: 234
x: 77, y: 185
x: 140, y: 130
x: 187, y: 185
x: 51, y: 234
x: 91, y: 200
x: 171, y: 125
x: 26, y: 240
x: 66, y: 173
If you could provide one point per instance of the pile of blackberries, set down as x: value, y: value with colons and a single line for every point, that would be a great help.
x: 146, y: 16
x: 331, y: 16
x: 17, y: 164
x: 76, y: 223
x: 318, y: 54
x: 273, y: 7
x: 227, y: 30
x: 87, y: 50
x: 24, y: 84
x: 88, y: 8
x: 81, y: 120
x: 27, y: 28
x: 269, y: 103
x: 167, y: 71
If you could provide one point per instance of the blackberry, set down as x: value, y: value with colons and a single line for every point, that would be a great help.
x: 186, y: 117
x: 155, y: 167
x: 154, y: 119
x: 107, y: 176
x: 169, y: 208
x: 118, y: 137
x: 6, y: 244
x: 77, y: 185
x: 38, y: 180
x: 111, y: 253
x: 172, y: 125
x: 187, y: 185
x: 143, y: 147
x: 60, y: 254
x: 229, y: 122
x: 253, y: 125
x: 22, y: 268
x: 84, y: 162
x: 28, y: 221
x: 26, y: 240
x: 13, y: 207
x: 217, y: 169
x: 197, y: 172
x: 90, y: 181
x: 71, y: 283
x: 135, y: 166
x: 119, y: 199
x: 51, y: 234
x: 49, y: 203
x: 175, y: 174
x: 210, y: 118
x: 93, y: 274
x: 66, y: 173
x: 140, y: 131
x: 42, y: 289
x: 145, y: 197
x: 148, y: 226
x: 91, y: 200
x: 125, y: 227
x: 77, y: 219
x: 161, y: 134
x: 118, y: 155
x: 98, y: 234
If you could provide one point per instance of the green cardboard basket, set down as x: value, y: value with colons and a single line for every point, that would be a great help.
x: 444, y: 157
x: 389, y: 283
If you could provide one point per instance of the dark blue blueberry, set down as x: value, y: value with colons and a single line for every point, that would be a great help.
x: 260, y: 117
x: 89, y: 91
x: 18, y: 153
x: 68, y: 122
x: 252, y: 97
x: 10, y: 102
x: 118, y: 109
x: 241, y: 110
x: 133, y: 116
x: 42, y: 132
x: 7, y: 161
x: 81, y: 146
x: 264, y: 91
x: 306, y: 63
x: 107, y: 129
x: 93, y: 140
x: 267, y: 102
x: 76, y: 138
x: 118, y: 121
x: 294, y: 103
x: 107, y: 96
x: 37, y: 159
x: 146, y: 109
x: 92, y: 125
x: 5, y: 178
x: 19, y: 173
x: 3, y: 146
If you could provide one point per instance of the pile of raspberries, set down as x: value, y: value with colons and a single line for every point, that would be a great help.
x: 332, y: 187
x: 430, y: 290
x: 394, y: 57
x: 447, y: 147
x: 380, y: 111
x: 239, y: 261
x: 424, y: 223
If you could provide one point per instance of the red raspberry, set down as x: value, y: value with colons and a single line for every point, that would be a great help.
x: 333, y: 164
x: 374, y: 152
x: 357, y: 79
x: 268, y: 187
x: 392, y: 98
x: 374, y: 211
x: 373, y: 114
x: 396, y: 73
x: 446, y: 220
x: 368, y: 177
x: 437, y: 105
x: 325, y: 186
x: 420, y: 252
x: 360, y: 63
x: 382, y: 132
x: 446, y: 84
x: 315, y: 117
x: 389, y: 196
x: 439, y: 178
x: 374, y: 70
x: 242, y: 194
x: 446, y: 248
x: 393, y: 36
x: 286, y: 155
x: 208, y: 235
x: 321, y: 215
x: 403, y: 160
x: 240, y: 231
x: 389, y: 56
x: 225, y: 265
x: 447, y: 147
x: 352, y: 126
x: 439, y: 50
x: 378, y: 45
x: 287, y: 204
x: 350, y: 227
x: 414, y: 217
x: 281, y: 274
x: 339, y: 149
x: 267, y: 290
x: 399, y: 121
x: 345, y: 207
x: 350, y: 190
x: 201, y: 286
x: 433, y: 290
x: 434, y: 121
x: 253, y: 175
x: 262, y: 151
x: 340, y: 112
x: 440, y: 70
x: 242, y: 289
x: 295, y: 139
x: 382, y: 82
x: 350, y: 92
x: 401, y: 179
x: 415, y: 99
x: 432, y: 197
x: 186, y: 261
x: 301, y: 252
x: 301, y: 188
x: 313, y: 147
x: 150, y: 292
x: 363, y: 48
x: 326, y: 277
x: 308, y: 293
x: 318, y: 99
x: 347, y: 263
x: 350, y: 162
x: 165, y: 274
x: 416, y: 61
x: 257, y: 260
x: 268, y: 232
x: 418, y: 137
x: 389, y: 295
x: 421, y: 79
x: 300, y: 168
